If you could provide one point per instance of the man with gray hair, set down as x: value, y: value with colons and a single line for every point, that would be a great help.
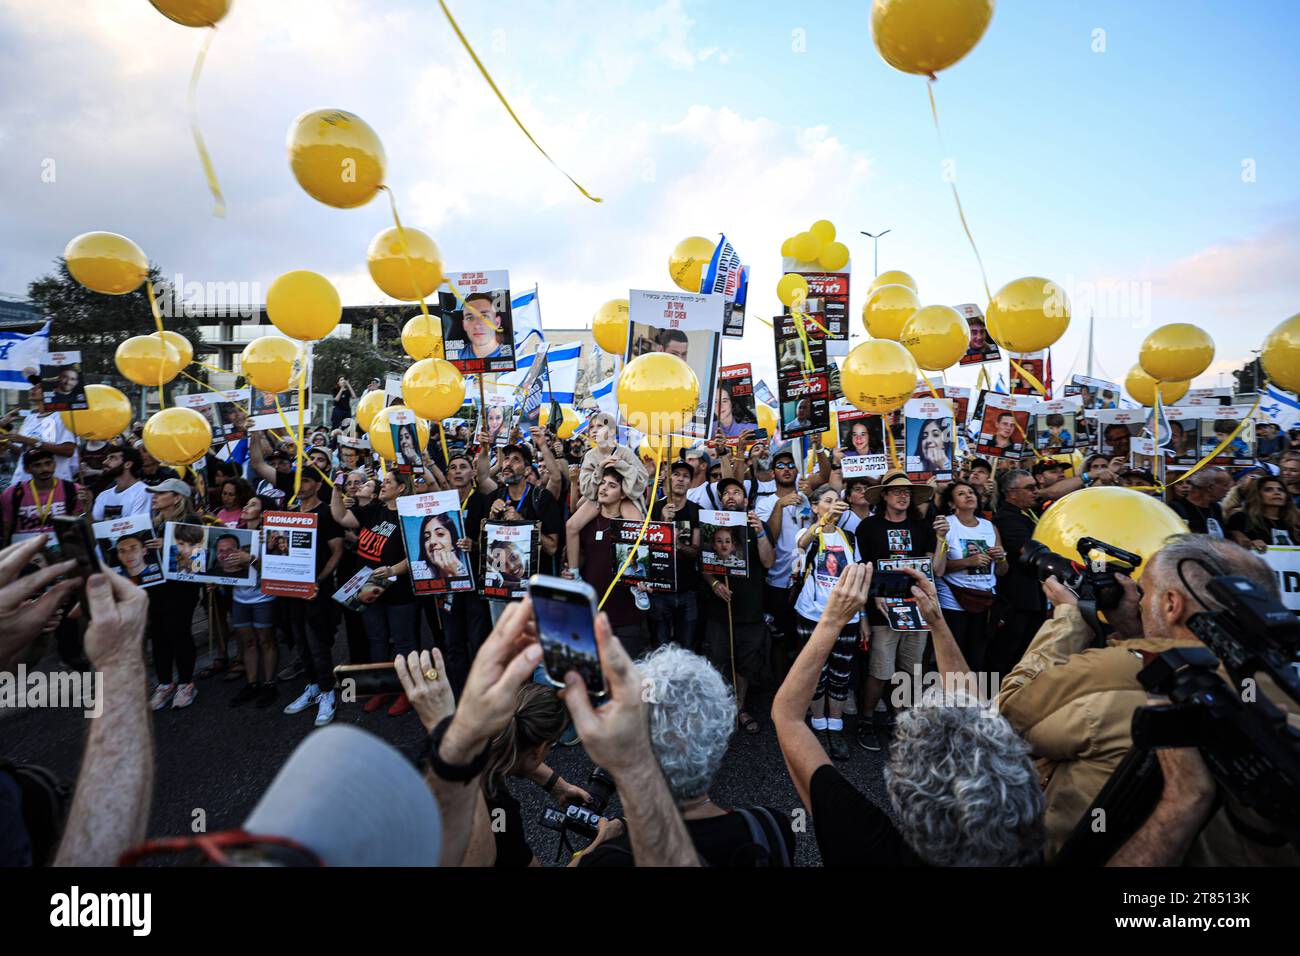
x: 1074, y: 704
x: 692, y: 716
x: 1018, y: 608
x: 1201, y: 509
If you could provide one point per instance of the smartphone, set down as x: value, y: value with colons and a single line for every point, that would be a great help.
x: 891, y: 584
x: 371, y: 680
x: 566, y: 624
x: 76, y: 543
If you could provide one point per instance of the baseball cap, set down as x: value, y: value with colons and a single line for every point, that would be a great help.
x: 174, y: 485
x: 681, y: 465
x: 725, y: 483
x: 524, y: 451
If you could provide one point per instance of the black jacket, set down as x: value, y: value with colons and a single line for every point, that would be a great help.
x: 1019, y: 589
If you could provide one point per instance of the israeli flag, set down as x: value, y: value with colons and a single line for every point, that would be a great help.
x: 1002, y: 384
x: 561, y: 371
x: 1281, y: 408
x: 605, y: 398
x: 20, y: 356
x: 526, y: 313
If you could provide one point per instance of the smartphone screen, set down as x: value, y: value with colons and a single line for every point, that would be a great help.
x: 566, y: 617
x: 76, y: 543
x: 891, y: 584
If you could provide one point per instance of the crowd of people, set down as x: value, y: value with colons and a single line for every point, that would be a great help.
x: 996, y: 776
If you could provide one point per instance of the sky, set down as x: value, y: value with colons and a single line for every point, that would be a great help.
x: 1143, y: 155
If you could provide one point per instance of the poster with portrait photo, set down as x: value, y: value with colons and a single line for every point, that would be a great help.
x: 735, y: 409
x: 1218, y: 395
x: 62, y: 385
x: 655, y: 563
x: 1184, y: 424
x: 263, y: 415
x: 1003, y: 425
x: 1056, y: 425
x: 362, y: 590
x: 288, y: 559
x: 1116, y: 428
x: 689, y: 327
x: 478, y: 331
x: 210, y: 554
x: 405, y: 434
x: 499, y: 421
x: 433, y: 529
x: 960, y: 398
x: 124, y: 547
x: 828, y: 301
x: 929, y: 435
x: 981, y: 348
x: 724, y: 542
x: 1030, y: 363
x: 509, y: 551
x: 225, y: 411
x: 803, y: 377
x: 861, y: 433
x: 903, y: 613
x: 1218, y: 422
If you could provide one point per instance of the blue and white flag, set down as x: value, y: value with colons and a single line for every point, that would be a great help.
x: 561, y: 371
x: 1281, y: 408
x: 725, y: 276
x: 604, y: 396
x: 764, y: 394
x: 526, y: 314
x: 20, y: 356
x: 1001, y: 385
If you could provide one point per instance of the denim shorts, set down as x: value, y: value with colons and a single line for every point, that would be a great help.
x: 261, y: 615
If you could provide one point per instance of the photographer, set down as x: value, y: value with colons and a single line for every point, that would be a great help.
x: 1074, y: 705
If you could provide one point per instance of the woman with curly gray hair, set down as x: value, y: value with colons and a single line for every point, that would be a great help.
x: 692, y: 717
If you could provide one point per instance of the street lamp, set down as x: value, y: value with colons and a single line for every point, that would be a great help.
x: 875, y: 249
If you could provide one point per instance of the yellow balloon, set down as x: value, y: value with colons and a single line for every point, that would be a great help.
x: 569, y: 421
x: 893, y: 277
x: 148, y: 360
x: 787, y: 248
x: 1123, y: 517
x: 106, y: 262
x: 824, y: 230
x: 937, y: 337
x: 609, y: 326
x: 834, y: 257
x: 381, y: 433
x: 1177, y: 352
x: 831, y: 437
x: 792, y: 288
x: 1280, y: 355
x: 193, y: 13
x: 388, y: 267
x: 370, y: 405
x: 268, y: 363
x: 107, y: 417
x: 1028, y: 315
x: 888, y: 309
x: 336, y: 158
x: 177, y: 436
x: 304, y: 305
x: 180, y: 343
x: 805, y: 247
x: 689, y: 260
x: 767, y: 419
x: 926, y: 36
x: 878, y: 376
x: 433, y: 388
x: 657, y: 393
x: 1141, y: 388
x: 422, y: 337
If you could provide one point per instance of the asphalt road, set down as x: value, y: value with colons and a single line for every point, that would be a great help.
x: 219, y: 759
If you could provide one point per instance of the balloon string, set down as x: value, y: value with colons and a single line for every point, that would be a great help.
x: 961, y: 214
x: 442, y: 435
x: 640, y: 535
x: 889, y: 440
x: 210, y: 173
x: 157, y: 319
x: 483, y: 70
x: 1028, y: 377
x: 302, y: 400
x: 410, y: 273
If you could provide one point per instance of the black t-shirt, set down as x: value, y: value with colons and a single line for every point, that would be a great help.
x: 879, y: 538
x: 723, y: 841
x: 599, y: 565
x: 284, y: 485
x: 512, y: 847
x: 159, y: 476
x: 851, y: 830
x: 327, y: 529
x: 379, y: 544
x: 746, y: 592
x: 687, y: 520
x: 1201, y: 520
x: 1273, y: 531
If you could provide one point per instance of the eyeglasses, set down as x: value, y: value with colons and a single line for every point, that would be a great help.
x: 784, y: 464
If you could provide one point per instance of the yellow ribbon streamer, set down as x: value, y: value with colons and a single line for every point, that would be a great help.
x: 157, y: 320
x: 1035, y: 383
x: 961, y: 214
x: 889, y: 440
x: 659, y: 452
x: 483, y: 70
x: 209, y: 172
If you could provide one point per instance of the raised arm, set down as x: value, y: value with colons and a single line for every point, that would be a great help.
x: 339, y: 504
x: 257, y: 457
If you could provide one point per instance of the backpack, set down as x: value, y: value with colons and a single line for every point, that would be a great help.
x: 45, y: 801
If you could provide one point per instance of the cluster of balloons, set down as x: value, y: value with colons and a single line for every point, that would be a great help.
x: 1169, y: 359
x: 817, y: 245
x: 891, y: 300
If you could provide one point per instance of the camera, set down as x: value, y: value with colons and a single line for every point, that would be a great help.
x: 579, y: 820
x: 1092, y: 578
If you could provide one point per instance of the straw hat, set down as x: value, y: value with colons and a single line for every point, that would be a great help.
x: 898, y: 479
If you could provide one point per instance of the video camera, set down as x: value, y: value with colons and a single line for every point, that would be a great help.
x: 1092, y: 579
x: 579, y: 820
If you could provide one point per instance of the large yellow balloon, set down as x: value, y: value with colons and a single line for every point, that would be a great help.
x: 1177, y: 352
x: 888, y: 309
x: 370, y: 405
x: 304, y: 305
x: 177, y: 436
x: 792, y: 288
x: 657, y: 393
x: 1123, y: 517
x: 767, y: 419
x: 389, y: 268
x: 268, y: 363
x: 787, y: 248
x: 1280, y: 356
x: 107, y: 417
x: 1028, y: 315
x: 834, y: 257
x: 569, y: 420
x: 180, y: 343
x: 1141, y: 388
x: 824, y: 230
x: 106, y: 262
x: 609, y: 326
x: 893, y: 277
x: 878, y: 376
x: 806, y: 247
x: 937, y: 337
x: 422, y: 337
x: 433, y: 388
x: 148, y: 360
x: 381, y: 433
x: 689, y: 260
x: 336, y: 157
x: 926, y: 36
x: 193, y: 13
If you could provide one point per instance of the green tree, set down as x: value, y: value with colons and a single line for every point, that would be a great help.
x: 357, y: 358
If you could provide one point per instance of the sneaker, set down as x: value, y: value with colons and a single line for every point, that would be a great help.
x: 400, y: 706
x: 839, y: 747
x: 851, y: 706
x: 267, y: 696
x: 325, y: 711
x: 374, y: 703
x: 295, y: 669
x: 185, y: 695
x: 867, y: 738
x: 246, y: 693
x: 309, y: 696
x: 162, y: 695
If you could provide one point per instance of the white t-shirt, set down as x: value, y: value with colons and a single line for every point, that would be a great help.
x: 111, y: 503
x: 822, y: 575
x: 50, y: 429
x: 962, y: 543
x: 793, y: 520
x: 706, y: 495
